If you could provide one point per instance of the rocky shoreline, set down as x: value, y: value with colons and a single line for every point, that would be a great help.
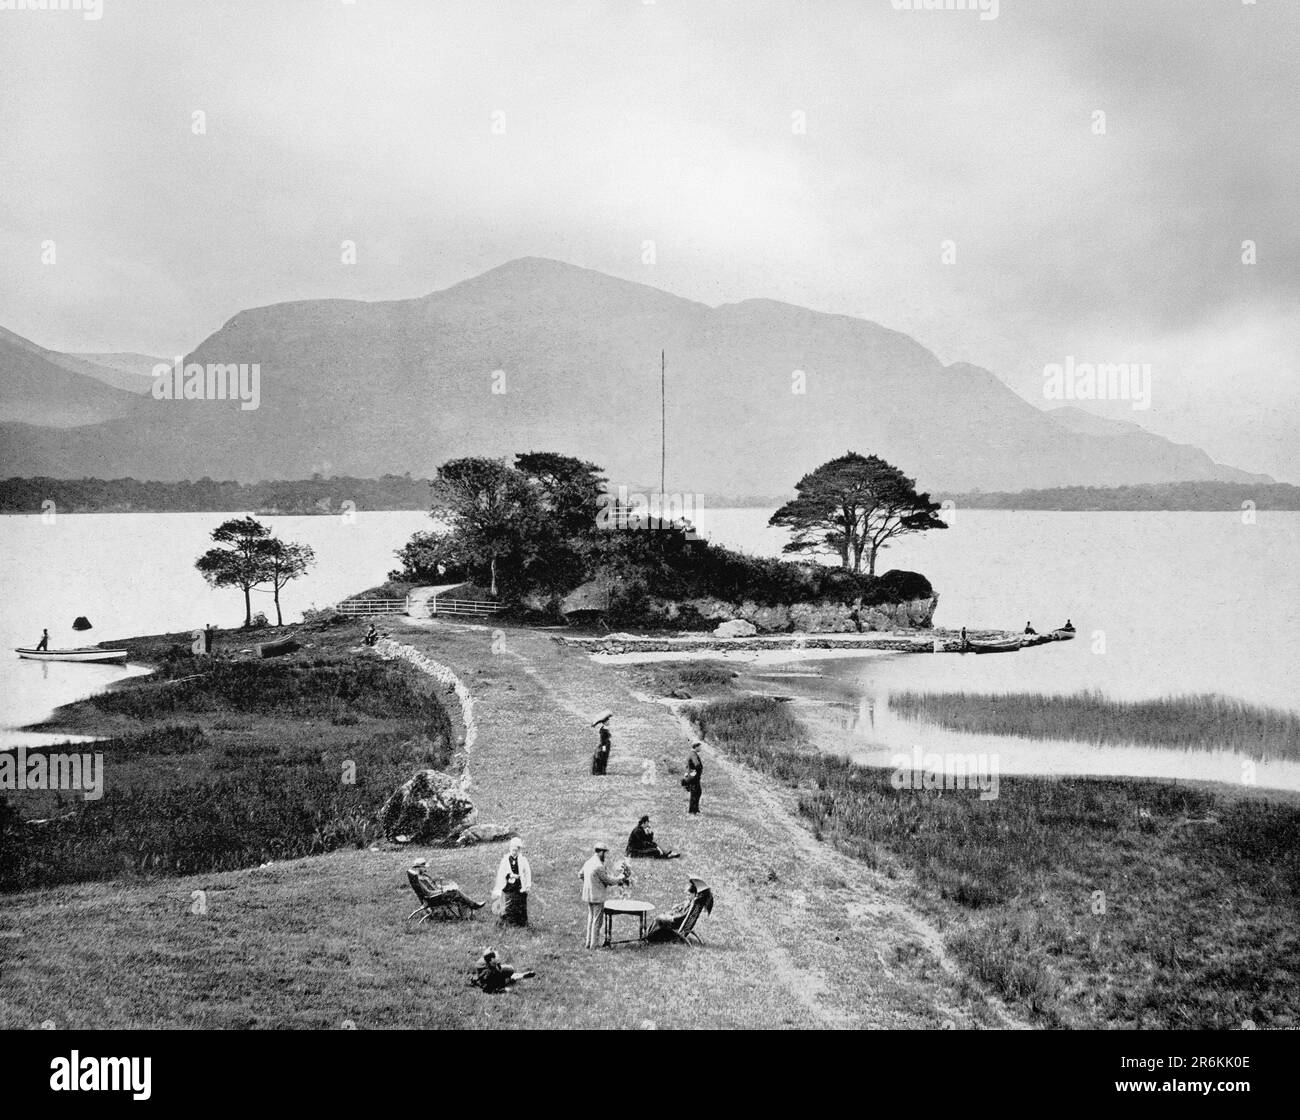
x: 917, y: 641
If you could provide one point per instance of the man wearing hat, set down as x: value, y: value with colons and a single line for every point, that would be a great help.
x: 433, y: 887
x: 595, y: 882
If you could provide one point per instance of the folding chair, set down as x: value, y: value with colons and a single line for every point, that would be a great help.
x: 687, y: 929
x: 445, y: 905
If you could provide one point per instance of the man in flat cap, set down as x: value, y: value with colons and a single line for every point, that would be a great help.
x: 595, y: 882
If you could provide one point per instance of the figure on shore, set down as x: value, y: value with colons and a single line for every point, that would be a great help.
x: 600, y: 760
x: 691, y: 782
x: 514, y: 881
x: 1068, y: 627
x: 431, y: 887
x: 666, y: 926
x: 1029, y: 628
x: 596, y: 881
x: 963, y: 637
x: 494, y: 975
x: 44, y: 643
x: 641, y: 843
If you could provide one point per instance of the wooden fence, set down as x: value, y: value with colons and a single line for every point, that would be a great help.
x: 439, y: 604
x: 353, y: 607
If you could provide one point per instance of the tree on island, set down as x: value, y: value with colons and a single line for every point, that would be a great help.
x: 851, y: 507
x: 284, y: 561
x: 490, y: 511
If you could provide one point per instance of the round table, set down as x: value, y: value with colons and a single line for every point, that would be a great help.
x: 615, y: 906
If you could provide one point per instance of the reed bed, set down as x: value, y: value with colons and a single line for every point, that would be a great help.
x: 1204, y: 722
x: 1194, y: 923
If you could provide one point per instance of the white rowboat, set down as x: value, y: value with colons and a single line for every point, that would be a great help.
x: 85, y: 653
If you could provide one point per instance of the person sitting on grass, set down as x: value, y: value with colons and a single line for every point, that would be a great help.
x: 667, y: 926
x: 493, y: 975
x: 372, y: 636
x: 641, y: 843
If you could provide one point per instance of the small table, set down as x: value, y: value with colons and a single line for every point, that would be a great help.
x: 615, y: 906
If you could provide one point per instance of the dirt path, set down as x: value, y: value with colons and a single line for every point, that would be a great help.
x: 839, y: 941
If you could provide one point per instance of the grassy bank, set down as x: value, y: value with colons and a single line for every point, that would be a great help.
x: 1190, y: 722
x: 212, y: 764
x: 1087, y: 903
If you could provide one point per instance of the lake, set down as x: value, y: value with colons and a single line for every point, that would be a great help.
x: 1163, y: 602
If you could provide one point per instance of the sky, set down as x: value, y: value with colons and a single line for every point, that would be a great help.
x: 940, y: 173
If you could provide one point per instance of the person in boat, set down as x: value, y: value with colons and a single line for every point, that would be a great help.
x: 372, y: 635
x: 600, y: 760
x: 44, y: 643
x: 440, y: 887
x: 514, y: 881
x: 1029, y: 629
x: 641, y: 843
x: 1068, y: 627
x: 692, y: 781
x: 964, y: 643
x: 492, y: 975
x: 666, y: 926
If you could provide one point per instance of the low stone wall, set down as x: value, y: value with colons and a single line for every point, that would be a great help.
x: 386, y: 647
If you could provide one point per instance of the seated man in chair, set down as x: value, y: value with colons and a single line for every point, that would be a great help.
x: 669, y: 926
x: 434, y: 892
x: 641, y: 843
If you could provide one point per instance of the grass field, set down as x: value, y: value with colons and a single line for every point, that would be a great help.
x: 802, y: 935
x: 1084, y: 902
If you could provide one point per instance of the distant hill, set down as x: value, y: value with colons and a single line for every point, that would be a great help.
x: 132, y: 372
x: 374, y: 388
x: 52, y: 390
x: 1202, y: 495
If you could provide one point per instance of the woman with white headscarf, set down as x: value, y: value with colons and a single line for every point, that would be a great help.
x: 514, y: 881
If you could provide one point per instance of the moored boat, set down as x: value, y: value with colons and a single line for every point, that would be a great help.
x: 1004, y: 645
x: 84, y: 653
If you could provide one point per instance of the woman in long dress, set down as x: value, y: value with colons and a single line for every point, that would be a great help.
x: 514, y: 881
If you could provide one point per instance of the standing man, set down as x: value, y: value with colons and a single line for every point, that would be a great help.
x: 208, y: 633
x: 600, y: 760
x: 694, y: 772
x: 44, y: 643
x: 595, y: 882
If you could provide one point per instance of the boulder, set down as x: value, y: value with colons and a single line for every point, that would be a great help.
x: 736, y: 628
x: 430, y: 805
x: 483, y: 834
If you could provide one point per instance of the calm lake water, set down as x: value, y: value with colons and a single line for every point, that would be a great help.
x: 1163, y: 602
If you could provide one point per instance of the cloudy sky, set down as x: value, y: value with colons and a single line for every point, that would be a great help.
x: 820, y: 153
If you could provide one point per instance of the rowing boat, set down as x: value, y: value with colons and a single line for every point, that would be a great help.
x: 84, y: 653
x: 1003, y: 645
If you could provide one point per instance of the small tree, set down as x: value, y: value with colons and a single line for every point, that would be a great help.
x: 852, y: 506
x: 241, y: 562
x: 284, y: 561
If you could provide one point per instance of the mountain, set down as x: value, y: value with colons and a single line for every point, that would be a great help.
x: 758, y: 392
x: 124, y: 370
x: 53, y: 390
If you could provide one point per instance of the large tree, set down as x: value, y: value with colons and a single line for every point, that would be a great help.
x: 284, y: 561
x: 491, y: 512
x: 240, y: 561
x: 851, y: 507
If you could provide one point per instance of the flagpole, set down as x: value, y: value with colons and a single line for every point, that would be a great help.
x: 663, y: 423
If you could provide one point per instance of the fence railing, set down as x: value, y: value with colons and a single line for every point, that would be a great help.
x: 440, y: 605
x: 372, y: 606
